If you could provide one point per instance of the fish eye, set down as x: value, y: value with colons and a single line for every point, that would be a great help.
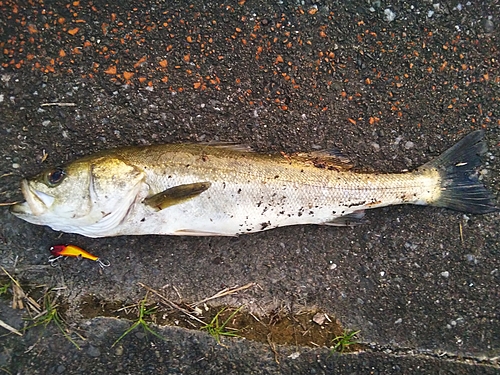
x: 55, y: 177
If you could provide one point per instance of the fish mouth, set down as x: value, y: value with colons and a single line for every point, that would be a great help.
x: 37, y: 202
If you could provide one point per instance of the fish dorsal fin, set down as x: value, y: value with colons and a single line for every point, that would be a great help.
x: 327, y: 159
x: 230, y: 146
x: 331, y: 159
x: 176, y: 195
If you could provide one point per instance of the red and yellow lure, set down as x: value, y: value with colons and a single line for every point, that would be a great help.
x: 59, y: 251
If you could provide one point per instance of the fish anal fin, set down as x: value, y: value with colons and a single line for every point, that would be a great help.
x: 325, y: 159
x: 194, y: 232
x: 352, y: 219
x: 176, y: 195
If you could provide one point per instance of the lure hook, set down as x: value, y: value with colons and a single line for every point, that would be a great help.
x: 102, y: 263
x: 53, y: 260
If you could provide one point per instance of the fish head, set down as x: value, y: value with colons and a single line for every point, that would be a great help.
x: 88, y: 196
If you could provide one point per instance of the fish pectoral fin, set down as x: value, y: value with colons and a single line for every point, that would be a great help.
x: 352, y: 219
x: 176, y: 195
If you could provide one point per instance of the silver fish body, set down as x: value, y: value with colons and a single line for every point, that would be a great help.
x: 224, y: 191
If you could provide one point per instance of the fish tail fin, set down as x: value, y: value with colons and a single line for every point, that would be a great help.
x: 460, y: 187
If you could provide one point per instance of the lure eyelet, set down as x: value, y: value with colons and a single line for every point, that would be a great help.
x: 55, y: 177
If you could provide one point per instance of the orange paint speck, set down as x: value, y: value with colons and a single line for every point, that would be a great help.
x: 32, y: 29
x: 141, y: 61
x: 128, y: 75
x: 111, y: 70
x: 73, y: 31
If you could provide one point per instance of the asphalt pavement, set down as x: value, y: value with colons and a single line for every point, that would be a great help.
x: 390, y: 85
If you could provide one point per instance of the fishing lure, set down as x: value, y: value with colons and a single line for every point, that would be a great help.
x: 60, y: 251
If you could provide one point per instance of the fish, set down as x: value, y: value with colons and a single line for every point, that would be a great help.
x: 229, y: 190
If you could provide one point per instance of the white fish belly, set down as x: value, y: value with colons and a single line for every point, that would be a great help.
x: 230, y: 208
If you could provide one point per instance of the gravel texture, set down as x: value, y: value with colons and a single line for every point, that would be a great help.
x: 391, y: 85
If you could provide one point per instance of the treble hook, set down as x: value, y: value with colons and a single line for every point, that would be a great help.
x: 53, y: 260
x: 102, y: 263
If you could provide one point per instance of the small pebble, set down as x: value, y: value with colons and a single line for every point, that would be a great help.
x: 489, y: 26
x: 93, y: 351
x: 319, y: 318
x: 399, y: 321
x: 294, y: 355
x: 471, y: 258
x: 409, y: 145
x: 445, y: 274
x: 15, y: 165
x: 389, y: 15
